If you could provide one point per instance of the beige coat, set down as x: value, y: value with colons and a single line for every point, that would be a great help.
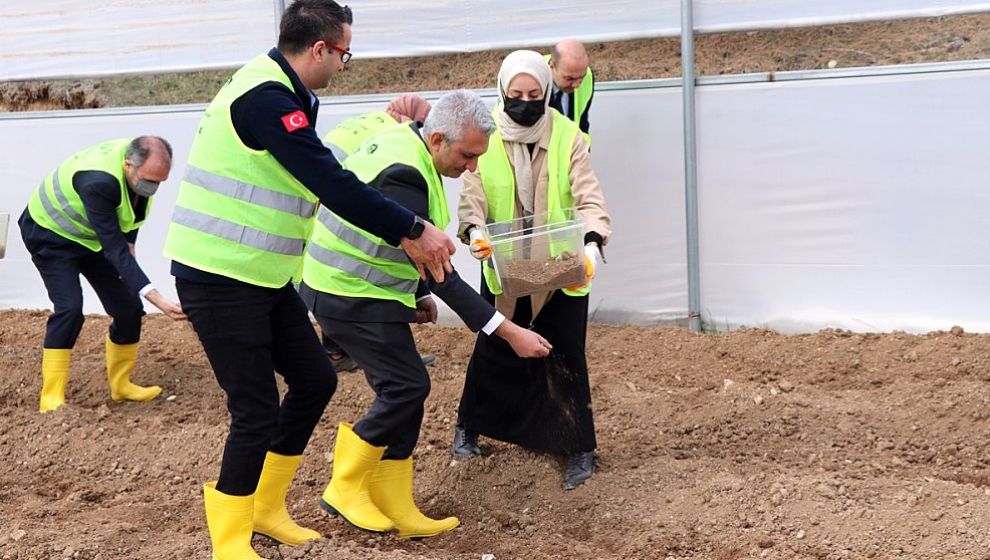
x: 588, y: 199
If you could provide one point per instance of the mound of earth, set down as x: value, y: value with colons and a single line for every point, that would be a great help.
x: 748, y: 444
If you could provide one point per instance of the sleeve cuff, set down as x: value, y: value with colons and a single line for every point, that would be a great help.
x: 144, y: 291
x: 493, y: 323
x: 407, y: 229
x: 421, y: 298
x: 594, y: 237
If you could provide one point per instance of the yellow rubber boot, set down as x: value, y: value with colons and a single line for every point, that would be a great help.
x: 271, y: 519
x: 392, y: 492
x: 55, y: 364
x: 347, y: 494
x: 121, y: 359
x: 229, y: 521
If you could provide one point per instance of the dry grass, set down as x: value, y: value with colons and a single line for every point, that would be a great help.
x: 868, y: 44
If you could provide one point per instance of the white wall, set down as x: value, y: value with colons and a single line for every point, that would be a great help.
x: 73, y: 38
x: 858, y: 203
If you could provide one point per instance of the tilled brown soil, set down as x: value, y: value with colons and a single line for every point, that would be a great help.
x: 741, y: 445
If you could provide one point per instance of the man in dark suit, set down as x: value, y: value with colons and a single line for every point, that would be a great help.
x: 573, y: 82
x: 83, y: 220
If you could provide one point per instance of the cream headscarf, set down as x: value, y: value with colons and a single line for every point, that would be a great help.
x: 516, y: 135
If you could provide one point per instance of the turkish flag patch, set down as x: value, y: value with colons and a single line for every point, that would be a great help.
x: 295, y: 120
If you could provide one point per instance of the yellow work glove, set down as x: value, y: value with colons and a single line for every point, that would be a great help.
x: 481, y: 249
x: 590, y: 266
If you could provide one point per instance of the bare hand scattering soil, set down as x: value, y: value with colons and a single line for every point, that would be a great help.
x: 748, y: 444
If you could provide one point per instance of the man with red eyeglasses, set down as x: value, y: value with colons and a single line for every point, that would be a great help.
x: 256, y: 174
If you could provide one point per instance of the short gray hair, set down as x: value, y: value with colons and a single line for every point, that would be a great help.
x: 456, y: 112
x: 141, y: 147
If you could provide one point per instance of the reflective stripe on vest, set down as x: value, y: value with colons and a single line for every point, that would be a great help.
x: 338, y: 152
x: 345, y: 260
x: 499, y: 183
x: 238, y: 233
x: 249, y: 193
x: 64, y: 205
x: 239, y: 213
x: 337, y: 227
x: 360, y: 269
x: 56, y: 215
x: 56, y: 206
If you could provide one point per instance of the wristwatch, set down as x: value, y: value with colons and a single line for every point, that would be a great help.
x: 417, y: 229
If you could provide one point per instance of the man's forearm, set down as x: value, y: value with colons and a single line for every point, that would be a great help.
x: 463, y: 300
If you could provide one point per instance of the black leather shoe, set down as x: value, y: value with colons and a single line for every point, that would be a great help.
x: 342, y: 362
x: 465, y: 443
x: 580, y: 467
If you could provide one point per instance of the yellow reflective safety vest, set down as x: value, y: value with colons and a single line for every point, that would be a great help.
x: 499, y: 184
x: 239, y: 213
x: 55, y: 205
x: 582, y: 97
x: 345, y: 260
x: 349, y: 134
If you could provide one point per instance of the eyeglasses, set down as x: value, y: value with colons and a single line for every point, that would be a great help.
x: 345, y: 55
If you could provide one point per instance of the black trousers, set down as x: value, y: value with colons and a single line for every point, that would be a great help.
x: 387, y: 354
x: 330, y: 345
x: 60, y: 264
x: 540, y: 403
x: 249, y: 333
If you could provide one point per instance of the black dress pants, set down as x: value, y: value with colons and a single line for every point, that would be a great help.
x: 60, y: 265
x: 249, y: 333
x: 540, y: 403
x: 387, y: 354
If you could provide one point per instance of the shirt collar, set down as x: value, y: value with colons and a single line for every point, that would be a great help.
x: 306, y: 97
x: 418, y: 129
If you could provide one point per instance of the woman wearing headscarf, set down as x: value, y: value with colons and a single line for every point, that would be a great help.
x: 408, y: 107
x: 536, y: 160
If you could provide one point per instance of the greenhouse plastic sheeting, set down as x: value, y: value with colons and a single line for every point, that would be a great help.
x: 857, y: 203
x: 62, y: 38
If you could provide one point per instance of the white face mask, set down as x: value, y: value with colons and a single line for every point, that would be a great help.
x: 146, y: 188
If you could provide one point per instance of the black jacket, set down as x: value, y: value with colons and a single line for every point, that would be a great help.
x: 584, y: 124
x: 100, y: 195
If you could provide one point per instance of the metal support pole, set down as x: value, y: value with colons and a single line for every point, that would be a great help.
x: 690, y: 166
x: 279, y: 10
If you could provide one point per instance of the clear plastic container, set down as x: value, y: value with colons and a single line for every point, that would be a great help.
x: 534, y: 254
